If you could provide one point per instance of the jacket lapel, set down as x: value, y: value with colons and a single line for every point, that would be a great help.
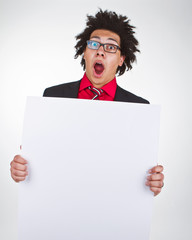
x: 119, y: 96
x: 72, y: 90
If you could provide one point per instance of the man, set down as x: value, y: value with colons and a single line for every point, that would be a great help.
x: 107, y: 46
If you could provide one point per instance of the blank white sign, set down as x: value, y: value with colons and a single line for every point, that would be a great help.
x: 88, y: 162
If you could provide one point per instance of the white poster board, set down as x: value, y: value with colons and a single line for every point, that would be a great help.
x: 88, y: 162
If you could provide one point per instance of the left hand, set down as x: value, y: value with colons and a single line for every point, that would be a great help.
x: 155, y: 180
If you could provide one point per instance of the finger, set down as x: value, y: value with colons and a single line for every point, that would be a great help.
x: 19, y: 159
x: 155, y: 177
x: 156, y: 169
x: 18, y: 179
x: 156, y: 184
x: 155, y: 190
x: 18, y: 166
x: 18, y: 173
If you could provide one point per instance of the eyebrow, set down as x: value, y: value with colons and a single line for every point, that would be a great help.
x: 107, y: 38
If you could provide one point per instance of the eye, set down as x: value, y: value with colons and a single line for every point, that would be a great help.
x: 93, y: 44
x: 111, y: 47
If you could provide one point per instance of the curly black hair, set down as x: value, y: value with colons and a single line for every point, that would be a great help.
x: 118, y: 24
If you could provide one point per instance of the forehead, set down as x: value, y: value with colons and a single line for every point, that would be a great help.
x: 105, y: 35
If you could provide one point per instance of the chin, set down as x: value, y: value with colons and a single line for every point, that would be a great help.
x: 98, y: 83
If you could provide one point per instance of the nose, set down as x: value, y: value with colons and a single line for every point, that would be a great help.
x: 100, y: 51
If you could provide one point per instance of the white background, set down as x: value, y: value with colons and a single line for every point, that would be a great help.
x: 36, y: 51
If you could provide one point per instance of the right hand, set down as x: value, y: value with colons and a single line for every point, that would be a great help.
x: 18, y: 169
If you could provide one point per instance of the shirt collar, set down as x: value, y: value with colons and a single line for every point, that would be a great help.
x: 109, y: 88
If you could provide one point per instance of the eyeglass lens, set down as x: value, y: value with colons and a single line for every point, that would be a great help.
x: 107, y: 46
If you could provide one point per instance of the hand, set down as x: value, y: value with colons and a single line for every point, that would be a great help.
x: 155, y: 180
x: 18, y: 168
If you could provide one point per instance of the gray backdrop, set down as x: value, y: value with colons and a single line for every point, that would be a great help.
x: 36, y: 51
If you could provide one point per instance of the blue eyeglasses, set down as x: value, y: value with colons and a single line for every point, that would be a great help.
x: 108, y: 47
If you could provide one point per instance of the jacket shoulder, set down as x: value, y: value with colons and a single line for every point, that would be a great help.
x: 123, y: 95
x: 68, y: 90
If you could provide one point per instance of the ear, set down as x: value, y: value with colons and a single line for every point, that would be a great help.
x: 121, y: 61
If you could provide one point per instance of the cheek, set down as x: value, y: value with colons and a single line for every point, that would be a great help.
x: 114, y: 65
x: 88, y: 53
x: 87, y: 57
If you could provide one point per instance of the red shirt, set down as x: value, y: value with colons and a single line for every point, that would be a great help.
x: 108, y: 93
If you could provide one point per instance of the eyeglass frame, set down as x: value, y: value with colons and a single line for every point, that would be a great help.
x: 103, y: 44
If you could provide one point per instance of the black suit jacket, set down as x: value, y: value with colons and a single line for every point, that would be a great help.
x: 70, y: 90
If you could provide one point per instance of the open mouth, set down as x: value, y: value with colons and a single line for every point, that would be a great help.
x: 99, y: 68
